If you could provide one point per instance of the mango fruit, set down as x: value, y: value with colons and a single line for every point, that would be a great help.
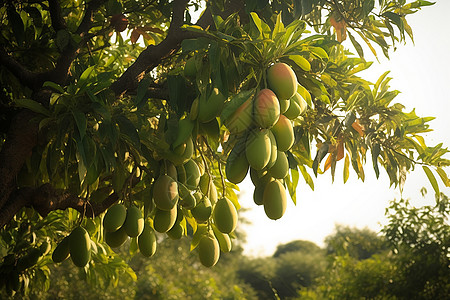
x: 187, y: 199
x: 281, y: 167
x: 258, y: 149
x: 177, y: 230
x: 282, y: 80
x: 202, y: 211
x: 273, y: 150
x: 192, y: 174
x: 134, y: 222
x: 117, y: 238
x: 266, y: 108
x: 258, y: 194
x: 114, y: 217
x: 297, y: 107
x: 208, y: 250
x: 211, y: 107
x: 225, y: 215
x: 241, y: 119
x: 284, y: 133
x: 80, y: 246
x: 274, y: 199
x: 223, y: 239
x: 236, y: 167
x: 62, y: 251
x: 147, y: 241
x: 284, y: 105
x: 164, y: 219
x: 165, y: 192
x: 190, y: 69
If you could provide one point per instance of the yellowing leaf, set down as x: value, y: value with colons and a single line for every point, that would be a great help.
x: 432, y: 179
x: 346, y: 168
x: 301, y: 62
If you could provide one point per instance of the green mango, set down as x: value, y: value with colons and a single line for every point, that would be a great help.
x: 258, y: 149
x: 114, y: 217
x: 164, y: 219
x: 281, y: 167
x: 274, y: 199
x: 208, y: 250
x: 117, y: 238
x: 202, y: 211
x: 62, y: 251
x: 147, y: 241
x: 165, y: 192
x: 192, y: 174
x: 134, y: 222
x: 210, y: 108
x: 80, y: 247
x: 225, y: 215
x: 284, y: 133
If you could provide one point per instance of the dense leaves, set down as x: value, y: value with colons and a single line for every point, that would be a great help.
x: 98, y: 102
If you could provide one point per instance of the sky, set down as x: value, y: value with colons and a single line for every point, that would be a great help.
x: 421, y: 73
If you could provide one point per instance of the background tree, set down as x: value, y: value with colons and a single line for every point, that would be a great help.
x: 91, y: 118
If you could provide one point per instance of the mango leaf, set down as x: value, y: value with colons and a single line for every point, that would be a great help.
x: 32, y: 105
x: 257, y: 22
x: 357, y: 45
x: 300, y: 61
x: 56, y: 87
x: 346, y: 168
x: 306, y: 176
x: 432, y: 179
x: 128, y: 131
x: 141, y: 90
x: 443, y: 176
x: 375, y: 152
x: 80, y: 120
x: 323, y: 150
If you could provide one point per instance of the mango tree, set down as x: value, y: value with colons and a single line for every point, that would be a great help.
x: 124, y: 122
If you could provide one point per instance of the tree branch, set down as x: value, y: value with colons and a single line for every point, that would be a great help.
x: 24, y: 75
x: 45, y: 199
x: 58, y: 22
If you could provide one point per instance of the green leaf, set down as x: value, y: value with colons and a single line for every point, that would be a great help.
x: 443, y: 176
x: 306, y: 176
x: 375, y: 152
x: 142, y: 90
x: 279, y: 26
x: 319, y: 157
x: 301, y: 62
x: 56, y: 87
x: 432, y: 179
x: 346, y: 168
x: 33, y: 106
x: 128, y: 131
x: 257, y: 22
x: 357, y: 45
x: 80, y: 120
x: 86, y: 74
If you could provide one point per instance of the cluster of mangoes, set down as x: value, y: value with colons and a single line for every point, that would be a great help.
x: 120, y: 223
x: 77, y: 245
x: 188, y: 191
x: 263, y: 124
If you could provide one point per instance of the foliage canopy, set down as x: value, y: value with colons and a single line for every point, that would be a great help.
x: 100, y: 99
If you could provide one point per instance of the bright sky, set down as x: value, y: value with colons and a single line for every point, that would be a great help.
x: 421, y: 73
